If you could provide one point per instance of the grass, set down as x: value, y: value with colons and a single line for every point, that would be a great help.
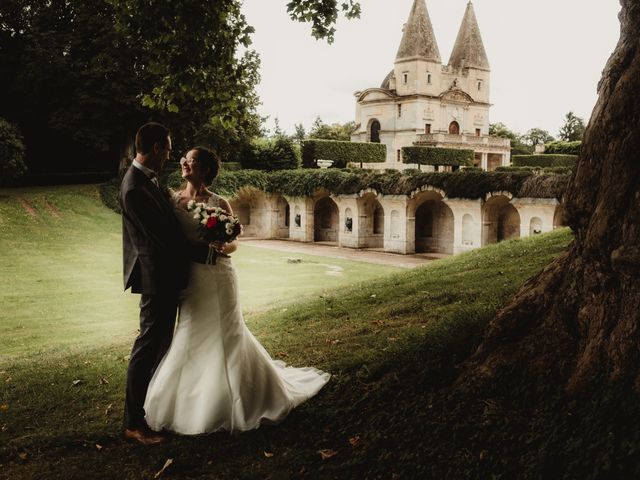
x: 61, y: 283
x: 383, y: 340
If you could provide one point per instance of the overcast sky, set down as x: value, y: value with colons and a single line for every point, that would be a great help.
x: 546, y: 57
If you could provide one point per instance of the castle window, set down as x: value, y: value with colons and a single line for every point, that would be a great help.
x: 479, y: 85
x: 427, y: 128
x: 399, y: 155
x: 399, y: 110
x: 375, y: 132
x: 477, y: 132
x: 429, y: 78
x: 405, y: 78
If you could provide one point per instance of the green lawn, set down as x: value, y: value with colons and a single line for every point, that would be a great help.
x: 61, y: 284
x: 61, y: 414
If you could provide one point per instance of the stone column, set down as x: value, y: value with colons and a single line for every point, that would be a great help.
x: 484, y: 162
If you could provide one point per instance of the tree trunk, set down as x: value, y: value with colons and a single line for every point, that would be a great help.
x: 579, y: 317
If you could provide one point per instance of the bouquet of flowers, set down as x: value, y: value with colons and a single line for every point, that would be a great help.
x: 216, y: 224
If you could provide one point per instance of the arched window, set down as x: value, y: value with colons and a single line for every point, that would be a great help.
x: 454, y: 128
x: 375, y: 131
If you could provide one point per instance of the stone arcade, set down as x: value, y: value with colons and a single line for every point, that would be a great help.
x: 424, y: 221
x: 423, y: 102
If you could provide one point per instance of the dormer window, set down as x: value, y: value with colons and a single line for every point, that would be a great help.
x: 405, y: 78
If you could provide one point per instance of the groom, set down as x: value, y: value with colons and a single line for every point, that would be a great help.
x: 156, y: 265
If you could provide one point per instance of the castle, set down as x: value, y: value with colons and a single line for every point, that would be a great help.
x: 423, y: 102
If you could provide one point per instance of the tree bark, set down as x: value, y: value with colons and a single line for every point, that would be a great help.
x: 578, y: 319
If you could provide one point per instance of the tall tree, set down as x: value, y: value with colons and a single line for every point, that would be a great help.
x: 300, y: 134
x: 578, y: 319
x: 335, y: 131
x: 537, y: 136
x: 572, y: 129
x: 79, y: 77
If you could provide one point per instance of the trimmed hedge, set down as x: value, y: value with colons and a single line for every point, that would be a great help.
x: 470, y: 184
x: 271, y: 154
x: 437, y: 156
x: 563, y: 148
x: 230, y: 166
x: 548, y: 170
x: 461, y: 184
x: 341, y: 152
x: 544, y: 160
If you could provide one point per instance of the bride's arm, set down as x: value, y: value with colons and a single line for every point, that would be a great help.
x: 230, y: 247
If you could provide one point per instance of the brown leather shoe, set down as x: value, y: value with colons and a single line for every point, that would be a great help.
x: 144, y: 436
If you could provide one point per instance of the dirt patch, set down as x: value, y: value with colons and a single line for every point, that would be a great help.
x: 53, y: 210
x: 28, y: 207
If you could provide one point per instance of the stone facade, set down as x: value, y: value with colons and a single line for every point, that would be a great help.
x: 424, y: 221
x: 423, y: 102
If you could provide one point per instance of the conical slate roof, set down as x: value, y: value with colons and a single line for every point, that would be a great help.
x: 468, y: 51
x: 418, y: 39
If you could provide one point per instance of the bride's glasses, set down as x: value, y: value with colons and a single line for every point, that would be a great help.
x: 189, y: 161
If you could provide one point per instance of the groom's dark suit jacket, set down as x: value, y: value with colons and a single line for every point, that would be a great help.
x: 156, y: 252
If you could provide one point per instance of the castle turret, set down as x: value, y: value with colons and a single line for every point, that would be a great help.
x: 470, y: 58
x: 418, y: 59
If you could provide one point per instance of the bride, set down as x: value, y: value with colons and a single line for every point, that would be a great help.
x: 216, y: 375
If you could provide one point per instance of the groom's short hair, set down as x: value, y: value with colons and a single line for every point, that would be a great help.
x: 149, y: 134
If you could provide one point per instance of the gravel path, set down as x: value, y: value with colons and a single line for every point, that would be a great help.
x: 331, y: 250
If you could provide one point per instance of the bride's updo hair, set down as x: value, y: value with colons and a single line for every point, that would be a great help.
x: 209, y: 162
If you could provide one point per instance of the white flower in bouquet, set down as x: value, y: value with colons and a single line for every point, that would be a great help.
x: 191, y: 204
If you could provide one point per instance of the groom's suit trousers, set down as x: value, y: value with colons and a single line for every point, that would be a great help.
x: 157, y: 321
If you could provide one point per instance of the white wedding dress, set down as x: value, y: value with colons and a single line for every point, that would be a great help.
x: 216, y: 375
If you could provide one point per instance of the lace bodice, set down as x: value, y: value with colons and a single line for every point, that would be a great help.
x: 188, y: 223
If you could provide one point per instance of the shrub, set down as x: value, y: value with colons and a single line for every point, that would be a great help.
x: 341, y: 152
x: 544, y: 160
x: 470, y: 184
x: 12, y: 165
x: 563, y: 148
x: 230, y: 166
x: 270, y: 154
x: 437, y: 156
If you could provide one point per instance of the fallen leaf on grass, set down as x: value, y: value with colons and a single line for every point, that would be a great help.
x: 4, y: 407
x: 76, y: 382
x: 392, y: 339
x: 380, y: 323
x: 98, y: 446
x: 107, y: 410
x: 104, y: 381
x: 167, y: 464
x: 23, y: 455
x: 354, y: 441
x: 268, y: 454
x: 327, y: 453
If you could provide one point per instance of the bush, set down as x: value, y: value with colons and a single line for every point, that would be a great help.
x: 544, y: 160
x: 470, y: 183
x: 563, y: 148
x: 341, y: 153
x: 437, y: 156
x: 270, y: 154
x: 230, y: 166
x: 12, y: 150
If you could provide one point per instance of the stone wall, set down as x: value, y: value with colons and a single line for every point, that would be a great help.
x: 424, y: 221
